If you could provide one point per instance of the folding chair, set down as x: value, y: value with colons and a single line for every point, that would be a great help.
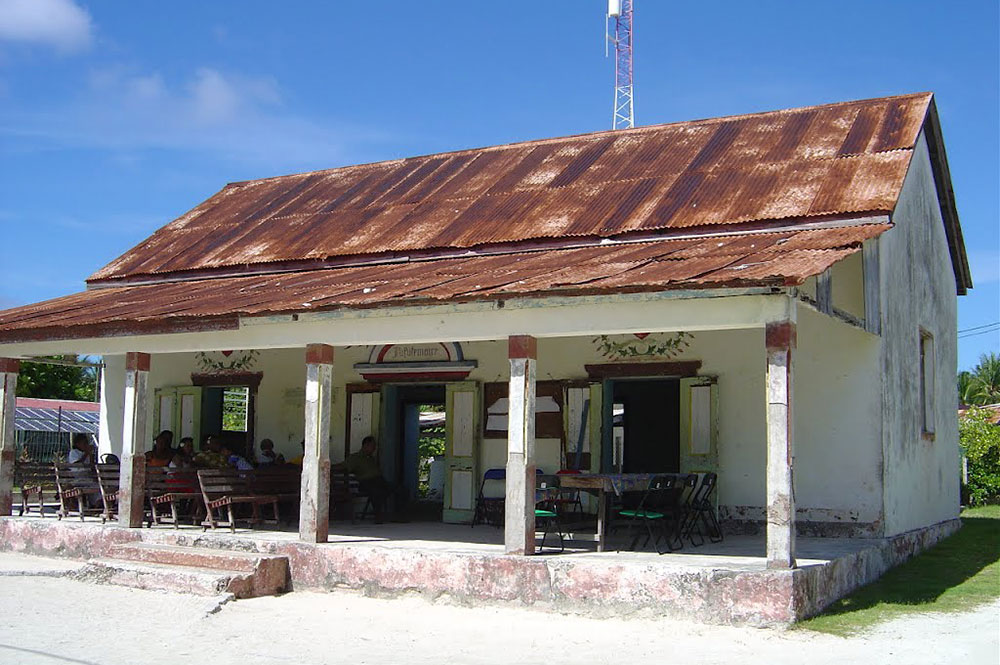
x: 654, y: 512
x: 489, y: 509
x: 702, y: 511
x: 547, y: 497
x: 569, y: 498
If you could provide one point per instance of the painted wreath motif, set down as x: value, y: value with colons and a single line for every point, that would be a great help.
x: 646, y: 346
x: 230, y: 362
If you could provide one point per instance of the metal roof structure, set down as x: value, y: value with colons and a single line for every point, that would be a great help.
x: 41, y: 415
x: 840, y: 159
x: 737, y: 259
x: 756, y: 200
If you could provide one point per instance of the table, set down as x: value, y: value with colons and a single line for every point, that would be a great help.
x: 603, y: 483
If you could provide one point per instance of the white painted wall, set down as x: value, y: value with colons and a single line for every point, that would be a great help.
x: 112, y: 415
x: 837, y: 463
x: 918, y: 290
x: 836, y: 403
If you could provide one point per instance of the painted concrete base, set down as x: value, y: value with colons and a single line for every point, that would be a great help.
x: 605, y: 584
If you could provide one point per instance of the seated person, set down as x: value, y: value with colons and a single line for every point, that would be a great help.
x: 82, y: 451
x: 162, y: 453
x: 184, y: 456
x: 297, y: 461
x: 364, y: 465
x: 267, y: 455
x: 211, y: 456
x: 235, y: 460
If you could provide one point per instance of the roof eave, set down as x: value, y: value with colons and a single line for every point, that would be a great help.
x: 946, y: 199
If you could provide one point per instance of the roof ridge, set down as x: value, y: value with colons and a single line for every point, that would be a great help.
x: 585, y: 135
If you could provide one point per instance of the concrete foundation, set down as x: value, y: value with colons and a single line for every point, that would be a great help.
x: 723, y: 584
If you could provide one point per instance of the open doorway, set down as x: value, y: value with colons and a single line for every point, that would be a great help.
x: 642, y: 419
x: 415, y: 443
x: 227, y: 412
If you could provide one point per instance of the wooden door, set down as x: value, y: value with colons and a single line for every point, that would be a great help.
x: 461, y: 451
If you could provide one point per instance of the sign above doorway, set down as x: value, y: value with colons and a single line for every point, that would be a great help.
x: 443, y: 361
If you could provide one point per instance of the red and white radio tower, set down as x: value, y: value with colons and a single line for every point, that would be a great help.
x: 621, y: 12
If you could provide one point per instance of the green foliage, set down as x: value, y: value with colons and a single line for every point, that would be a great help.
x: 981, y: 386
x: 958, y: 574
x: 234, y: 409
x: 661, y: 345
x: 56, y: 381
x: 980, y: 441
x: 430, y: 445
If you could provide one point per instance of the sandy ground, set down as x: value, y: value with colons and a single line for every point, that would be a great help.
x: 49, y: 619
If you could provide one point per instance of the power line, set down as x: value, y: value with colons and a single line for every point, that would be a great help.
x: 981, y: 332
x: 985, y: 325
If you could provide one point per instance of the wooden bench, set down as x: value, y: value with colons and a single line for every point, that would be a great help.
x: 109, y: 480
x: 283, y: 481
x: 227, y: 488
x: 173, y: 488
x: 76, y: 483
x: 36, y: 481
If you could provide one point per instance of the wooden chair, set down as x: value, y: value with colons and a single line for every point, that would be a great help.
x: 173, y: 488
x: 345, y: 490
x: 76, y: 483
x: 109, y: 480
x: 227, y: 488
x: 36, y: 481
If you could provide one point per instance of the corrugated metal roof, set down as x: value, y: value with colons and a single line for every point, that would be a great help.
x: 750, y: 258
x: 847, y: 158
x: 32, y: 419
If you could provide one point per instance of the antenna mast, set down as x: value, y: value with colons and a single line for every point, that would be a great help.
x: 621, y: 12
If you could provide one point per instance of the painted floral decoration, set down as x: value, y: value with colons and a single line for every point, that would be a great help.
x: 227, y: 361
x: 644, y: 345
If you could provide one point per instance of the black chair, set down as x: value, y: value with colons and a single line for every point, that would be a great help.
x: 490, y: 509
x: 547, y: 497
x: 655, y: 513
x: 702, y: 512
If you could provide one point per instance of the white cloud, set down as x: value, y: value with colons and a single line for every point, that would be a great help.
x: 228, y: 115
x: 61, y: 24
x: 985, y: 266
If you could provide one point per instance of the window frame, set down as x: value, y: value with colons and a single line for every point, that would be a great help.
x: 926, y: 355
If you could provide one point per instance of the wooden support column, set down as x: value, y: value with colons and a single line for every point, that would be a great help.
x: 132, y: 486
x: 9, y: 369
x: 780, y: 341
x: 519, y: 524
x: 314, y: 507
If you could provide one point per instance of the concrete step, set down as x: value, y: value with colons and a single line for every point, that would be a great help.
x: 197, y: 570
x: 199, y: 557
x: 161, y: 577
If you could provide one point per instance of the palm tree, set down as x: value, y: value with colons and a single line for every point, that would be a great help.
x: 981, y: 386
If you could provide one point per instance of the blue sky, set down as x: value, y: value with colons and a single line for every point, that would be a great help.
x: 117, y: 117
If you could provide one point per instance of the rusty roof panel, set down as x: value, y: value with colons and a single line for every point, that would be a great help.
x: 818, y: 161
x: 759, y: 257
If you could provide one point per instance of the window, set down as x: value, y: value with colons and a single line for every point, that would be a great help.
x: 927, y: 382
x: 235, y: 408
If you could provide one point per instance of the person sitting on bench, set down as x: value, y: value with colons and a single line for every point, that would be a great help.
x: 364, y: 465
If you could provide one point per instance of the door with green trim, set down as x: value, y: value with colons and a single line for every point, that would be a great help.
x: 178, y: 409
x: 461, y: 451
x: 699, y: 424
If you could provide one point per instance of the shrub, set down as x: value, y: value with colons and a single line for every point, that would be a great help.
x: 980, y: 441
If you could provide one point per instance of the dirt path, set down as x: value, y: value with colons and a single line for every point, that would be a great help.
x: 48, y: 620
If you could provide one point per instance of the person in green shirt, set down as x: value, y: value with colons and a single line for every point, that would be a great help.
x: 365, y: 467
